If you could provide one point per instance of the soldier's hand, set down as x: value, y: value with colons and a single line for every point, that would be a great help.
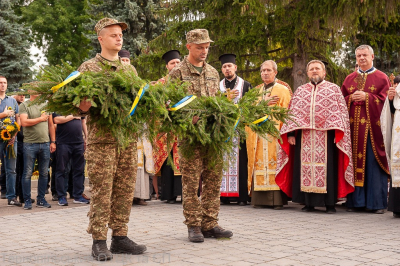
x: 291, y: 140
x: 391, y: 93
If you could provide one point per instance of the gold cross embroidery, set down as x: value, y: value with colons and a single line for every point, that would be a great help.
x: 360, y: 156
x: 377, y: 101
x: 397, y: 154
x: 351, y: 88
x: 372, y: 88
x: 259, y: 163
x: 272, y: 163
x: 363, y: 121
x: 351, y: 120
x: 397, y: 129
x: 378, y: 123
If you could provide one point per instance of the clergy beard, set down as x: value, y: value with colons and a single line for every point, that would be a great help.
x: 316, y: 79
x: 230, y: 77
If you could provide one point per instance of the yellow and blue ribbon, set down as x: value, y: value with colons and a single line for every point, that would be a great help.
x: 70, y: 78
x: 137, y: 99
x: 185, y: 101
x: 236, y: 123
x: 261, y: 121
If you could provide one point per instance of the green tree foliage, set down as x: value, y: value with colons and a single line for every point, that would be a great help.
x: 309, y: 29
x: 144, y: 23
x: 14, y: 47
x: 291, y: 32
x: 231, y: 29
x: 57, y: 28
x: 384, y: 36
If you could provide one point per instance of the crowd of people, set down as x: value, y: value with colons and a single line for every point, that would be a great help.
x: 35, y: 146
x: 338, y: 145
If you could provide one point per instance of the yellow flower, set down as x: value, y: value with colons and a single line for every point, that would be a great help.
x: 5, y: 135
x: 7, y: 121
x: 10, y: 128
x: 9, y: 108
x: 18, y: 127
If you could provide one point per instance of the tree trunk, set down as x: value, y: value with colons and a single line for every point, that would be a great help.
x: 299, y: 73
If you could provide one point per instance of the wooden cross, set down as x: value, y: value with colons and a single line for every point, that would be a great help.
x: 391, y: 79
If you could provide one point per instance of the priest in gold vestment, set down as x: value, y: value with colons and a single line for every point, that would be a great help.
x: 262, y: 152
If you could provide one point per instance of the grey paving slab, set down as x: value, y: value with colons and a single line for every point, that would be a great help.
x: 261, y: 237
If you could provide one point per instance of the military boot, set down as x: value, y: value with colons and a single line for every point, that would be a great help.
x: 217, y: 232
x: 195, y: 234
x: 100, y: 250
x: 123, y: 245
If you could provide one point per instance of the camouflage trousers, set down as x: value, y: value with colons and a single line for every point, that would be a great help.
x: 202, y: 213
x: 113, y: 177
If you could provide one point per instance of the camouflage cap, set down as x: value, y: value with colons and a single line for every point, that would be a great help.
x: 198, y: 36
x: 105, y: 22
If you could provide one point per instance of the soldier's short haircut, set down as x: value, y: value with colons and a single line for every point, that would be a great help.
x: 274, y: 65
x: 365, y: 46
x: 2, y: 77
x: 315, y: 61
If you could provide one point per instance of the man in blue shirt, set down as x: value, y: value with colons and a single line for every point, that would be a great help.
x: 9, y: 109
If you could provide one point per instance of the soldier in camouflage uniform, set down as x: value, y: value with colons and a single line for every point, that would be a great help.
x: 200, y: 217
x: 112, y: 171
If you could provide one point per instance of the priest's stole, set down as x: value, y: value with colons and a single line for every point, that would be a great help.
x: 313, y: 161
x: 265, y: 166
x: 230, y: 177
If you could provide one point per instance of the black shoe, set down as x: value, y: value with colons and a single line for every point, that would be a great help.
x: 278, y: 207
x: 23, y: 201
x: 242, y: 203
x: 100, y: 251
x: 123, y: 245
x: 195, y: 234
x: 396, y: 214
x: 355, y: 209
x: 47, y: 191
x: 3, y: 196
x: 225, y: 202
x: 172, y: 201
x: 14, y: 202
x: 54, y: 197
x: 217, y: 232
x: 308, y: 209
x: 330, y: 209
x: 381, y: 211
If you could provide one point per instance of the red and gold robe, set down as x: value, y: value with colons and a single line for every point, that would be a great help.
x: 315, y: 110
x: 365, y: 118
x: 160, y: 150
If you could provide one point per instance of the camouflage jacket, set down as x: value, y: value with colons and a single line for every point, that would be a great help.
x: 205, y: 83
x: 95, y: 65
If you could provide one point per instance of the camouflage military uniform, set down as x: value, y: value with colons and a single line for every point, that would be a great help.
x: 112, y: 172
x: 204, y: 213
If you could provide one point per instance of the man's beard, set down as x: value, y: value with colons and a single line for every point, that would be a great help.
x: 230, y: 76
x: 316, y: 79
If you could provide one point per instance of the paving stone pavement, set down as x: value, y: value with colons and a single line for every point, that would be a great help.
x: 261, y: 237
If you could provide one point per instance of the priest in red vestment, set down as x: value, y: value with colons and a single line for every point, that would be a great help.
x: 365, y: 93
x: 315, y: 164
x: 171, y: 181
